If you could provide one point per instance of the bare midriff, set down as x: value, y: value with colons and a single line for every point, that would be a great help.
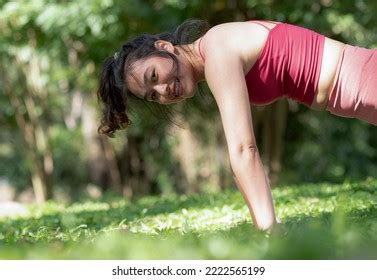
x: 331, y: 55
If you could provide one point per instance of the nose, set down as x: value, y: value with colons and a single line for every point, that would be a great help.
x: 162, y: 89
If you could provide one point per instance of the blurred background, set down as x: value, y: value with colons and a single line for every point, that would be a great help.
x: 50, y: 58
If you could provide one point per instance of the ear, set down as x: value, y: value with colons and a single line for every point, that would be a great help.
x: 163, y: 45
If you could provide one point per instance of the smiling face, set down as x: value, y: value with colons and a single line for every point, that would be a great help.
x: 157, y: 79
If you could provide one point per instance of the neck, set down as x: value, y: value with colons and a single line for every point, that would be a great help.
x: 191, y: 53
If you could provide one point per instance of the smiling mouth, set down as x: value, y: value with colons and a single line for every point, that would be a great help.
x: 176, y: 87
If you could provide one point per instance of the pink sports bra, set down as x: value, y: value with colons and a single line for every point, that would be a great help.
x: 289, y: 65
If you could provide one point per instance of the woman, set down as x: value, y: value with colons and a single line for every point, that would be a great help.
x: 243, y: 63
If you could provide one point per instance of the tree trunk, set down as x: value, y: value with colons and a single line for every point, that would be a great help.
x: 103, y: 167
x: 279, y: 119
x: 35, y: 144
x: 186, y: 153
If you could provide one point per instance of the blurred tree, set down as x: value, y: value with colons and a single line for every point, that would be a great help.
x: 26, y: 96
x: 50, y: 55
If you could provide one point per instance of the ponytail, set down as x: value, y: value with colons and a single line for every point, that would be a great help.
x: 110, y: 92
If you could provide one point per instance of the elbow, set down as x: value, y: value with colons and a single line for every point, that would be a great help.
x: 241, y: 154
x: 244, y: 149
x: 249, y: 148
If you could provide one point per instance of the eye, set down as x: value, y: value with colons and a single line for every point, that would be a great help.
x: 154, y: 76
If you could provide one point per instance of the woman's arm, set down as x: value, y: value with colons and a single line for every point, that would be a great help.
x: 252, y: 182
x: 225, y: 77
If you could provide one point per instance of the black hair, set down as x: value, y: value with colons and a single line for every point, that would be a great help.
x: 113, y: 91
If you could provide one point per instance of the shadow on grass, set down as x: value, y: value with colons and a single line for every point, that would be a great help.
x: 320, y: 232
x: 350, y: 235
x: 338, y: 235
x: 324, y: 190
x: 118, y: 210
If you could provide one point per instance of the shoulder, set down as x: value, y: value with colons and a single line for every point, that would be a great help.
x: 223, y: 47
x: 234, y: 41
x: 225, y: 29
x: 224, y: 35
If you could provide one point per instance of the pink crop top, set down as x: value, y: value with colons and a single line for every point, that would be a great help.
x: 289, y: 65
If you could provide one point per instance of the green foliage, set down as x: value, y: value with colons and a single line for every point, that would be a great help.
x: 331, y: 149
x: 70, y: 39
x: 70, y: 171
x: 18, y: 174
x: 317, y: 222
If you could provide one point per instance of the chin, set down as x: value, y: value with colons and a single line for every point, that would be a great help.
x: 190, y: 93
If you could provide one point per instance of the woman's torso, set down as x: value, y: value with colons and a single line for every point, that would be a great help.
x: 250, y: 40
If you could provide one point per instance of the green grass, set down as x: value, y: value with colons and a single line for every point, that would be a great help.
x: 319, y: 221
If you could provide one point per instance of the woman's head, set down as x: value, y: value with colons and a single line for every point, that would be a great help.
x: 150, y: 68
x: 164, y: 78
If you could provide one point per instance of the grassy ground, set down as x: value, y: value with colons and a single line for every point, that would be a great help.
x: 320, y: 221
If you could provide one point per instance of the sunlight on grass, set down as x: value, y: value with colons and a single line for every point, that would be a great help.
x: 317, y: 221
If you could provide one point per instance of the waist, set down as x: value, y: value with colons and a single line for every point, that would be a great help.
x: 332, y: 51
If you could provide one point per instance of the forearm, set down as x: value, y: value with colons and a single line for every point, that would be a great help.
x: 252, y: 182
